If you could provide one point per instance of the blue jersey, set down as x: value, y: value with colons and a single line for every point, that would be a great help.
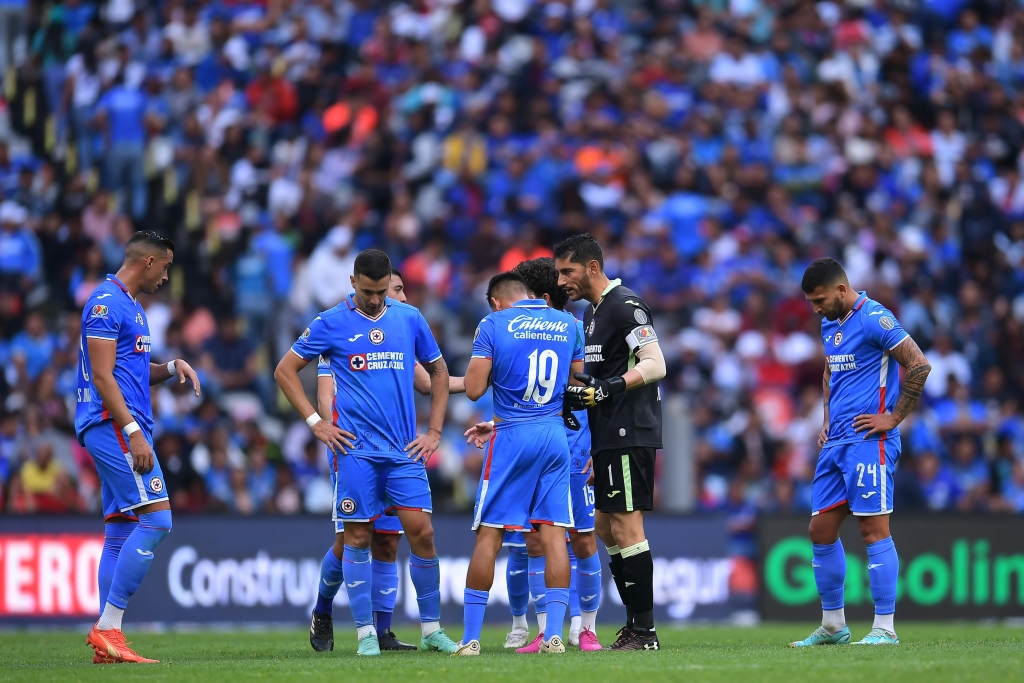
x: 372, y: 361
x: 579, y: 440
x: 863, y: 377
x: 112, y: 313
x: 531, y: 346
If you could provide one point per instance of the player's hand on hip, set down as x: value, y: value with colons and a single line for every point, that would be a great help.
x: 143, y: 459
x: 874, y: 423
x: 185, y: 372
x: 336, y: 438
x: 589, y: 470
x: 479, y: 433
x: 424, y: 446
x: 823, y: 437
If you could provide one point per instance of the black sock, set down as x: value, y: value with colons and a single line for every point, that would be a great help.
x: 638, y: 565
x: 618, y: 575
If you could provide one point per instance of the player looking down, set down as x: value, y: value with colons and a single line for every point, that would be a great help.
x: 620, y: 390
x: 860, y: 444
x: 371, y: 344
x: 114, y: 421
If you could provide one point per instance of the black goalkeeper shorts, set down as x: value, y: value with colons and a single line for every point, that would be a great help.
x: 624, y: 479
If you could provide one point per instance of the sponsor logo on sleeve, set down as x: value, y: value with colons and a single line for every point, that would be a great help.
x: 886, y: 322
x: 640, y: 316
x: 99, y: 311
x: 645, y: 334
x: 305, y: 334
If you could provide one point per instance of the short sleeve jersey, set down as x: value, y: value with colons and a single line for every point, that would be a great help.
x: 372, y: 361
x: 864, y: 378
x: 615, y: 329
x: 112, y: 313
x: 531, y: 347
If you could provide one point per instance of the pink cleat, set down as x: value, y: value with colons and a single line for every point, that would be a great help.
x: 588, y: 641
x: 533, y: 647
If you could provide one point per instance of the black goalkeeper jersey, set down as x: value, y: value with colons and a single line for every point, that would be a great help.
x: 614, y: 330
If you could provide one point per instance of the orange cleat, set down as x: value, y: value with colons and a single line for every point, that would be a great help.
x: 111, y: 644
x: 97, y: 658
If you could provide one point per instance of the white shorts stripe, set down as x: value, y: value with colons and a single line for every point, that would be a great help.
x: 882, y: 475
x: 143, y: 495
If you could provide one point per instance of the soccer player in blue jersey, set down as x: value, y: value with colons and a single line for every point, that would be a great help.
x: 387, y: 529
x: 526, y: 349
x: 860, y: 445
x: 114, y: 421
x: 525, y: 569
x: 371, y: 343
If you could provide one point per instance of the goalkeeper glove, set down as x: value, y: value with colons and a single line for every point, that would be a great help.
x: 593, y: 391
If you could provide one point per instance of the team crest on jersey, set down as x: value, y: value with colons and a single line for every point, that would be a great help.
x: 838, y: 338
x: 376, y: 336
x: 886, y: 322
x: 590, y: 330
x: 348, y: 506
x: 155, y: 485
x: 640, y: 317
x: 357, y: 362
x: 100, y: 311
x: 139, y: 320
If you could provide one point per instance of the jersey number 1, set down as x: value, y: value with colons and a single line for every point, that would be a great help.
x: 543, y: 371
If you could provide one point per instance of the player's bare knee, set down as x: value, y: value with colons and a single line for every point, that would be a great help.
x: 874, y: 528
x: 627, y: 528
x: 357, y: 535
x: 583, y: 545
x: 384, y: 547
x: 821, y: 531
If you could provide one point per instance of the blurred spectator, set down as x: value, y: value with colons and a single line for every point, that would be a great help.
x: 229, y: 359
x: 330, y: 267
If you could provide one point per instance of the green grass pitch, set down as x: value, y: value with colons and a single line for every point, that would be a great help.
x: 929, y: 652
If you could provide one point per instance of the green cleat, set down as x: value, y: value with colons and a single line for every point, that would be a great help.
x: 821, y: 636
x: 439, y: 642
x: 368, y: 645
x: 879, y: 636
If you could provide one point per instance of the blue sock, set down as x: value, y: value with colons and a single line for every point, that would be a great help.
x: 829, y: 565
x: 358, y: 579
x: 136, y: 555
x: 574, y: 597
x: 426, y: 579
x: 385, y: 590
x: 557, y: 605
x: 114, y: 536
x: 537, y: 588
x: 588, y: 582
x: 332, y: 574
x: 883, y: 569
x: 518, y: 581
x: 473, y: 618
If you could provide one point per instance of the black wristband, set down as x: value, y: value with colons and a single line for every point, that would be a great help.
x: 616, y: 385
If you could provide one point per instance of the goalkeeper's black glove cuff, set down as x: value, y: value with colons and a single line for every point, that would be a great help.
x: 616, y: 385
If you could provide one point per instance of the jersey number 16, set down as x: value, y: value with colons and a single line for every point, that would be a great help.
x: 543, y: 371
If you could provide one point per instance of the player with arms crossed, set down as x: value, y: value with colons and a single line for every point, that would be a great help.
x: 371, y: 343
x: 623, y: 365
x: 527, y: 350
x: 860, y: 444
x: 386, y: 529
x: 526, y: 559
x: 114, y: 421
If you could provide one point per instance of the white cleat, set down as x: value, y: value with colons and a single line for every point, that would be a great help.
x: 553, y: 647
x: 516, y: 638
x: 574, y: 635
x: 470, y: 649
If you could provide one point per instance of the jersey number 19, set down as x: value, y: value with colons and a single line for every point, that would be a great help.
x: 542, y: 372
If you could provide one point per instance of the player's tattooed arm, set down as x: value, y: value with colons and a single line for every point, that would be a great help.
x: 424, y: 445
x: 916, y: 368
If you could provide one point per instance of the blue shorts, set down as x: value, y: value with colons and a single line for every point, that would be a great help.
x: 385, y: 524
x: 366, y: 485
x: 859, y: 473
x: 122, y: 489
x: 514, y: 539
x: 582, y: 493
x: 525, y: 478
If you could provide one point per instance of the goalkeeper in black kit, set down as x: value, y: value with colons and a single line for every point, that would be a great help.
x: 620, y: 392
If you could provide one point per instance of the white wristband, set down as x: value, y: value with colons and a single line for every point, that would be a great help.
x: 313, y: 419
x: 491, y: 422
x: 170, y: 368
x: 131, y: 428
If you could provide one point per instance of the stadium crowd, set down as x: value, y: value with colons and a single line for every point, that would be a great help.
x: 714, y: 147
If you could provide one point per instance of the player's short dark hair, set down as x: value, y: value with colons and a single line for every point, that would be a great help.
x: 580, y: 249
x: 145, y: 242
x: 373, y: 263
x: 823, y: 272
x: 505, y: 283
x: 395, y: 272
x: 541, y: 277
